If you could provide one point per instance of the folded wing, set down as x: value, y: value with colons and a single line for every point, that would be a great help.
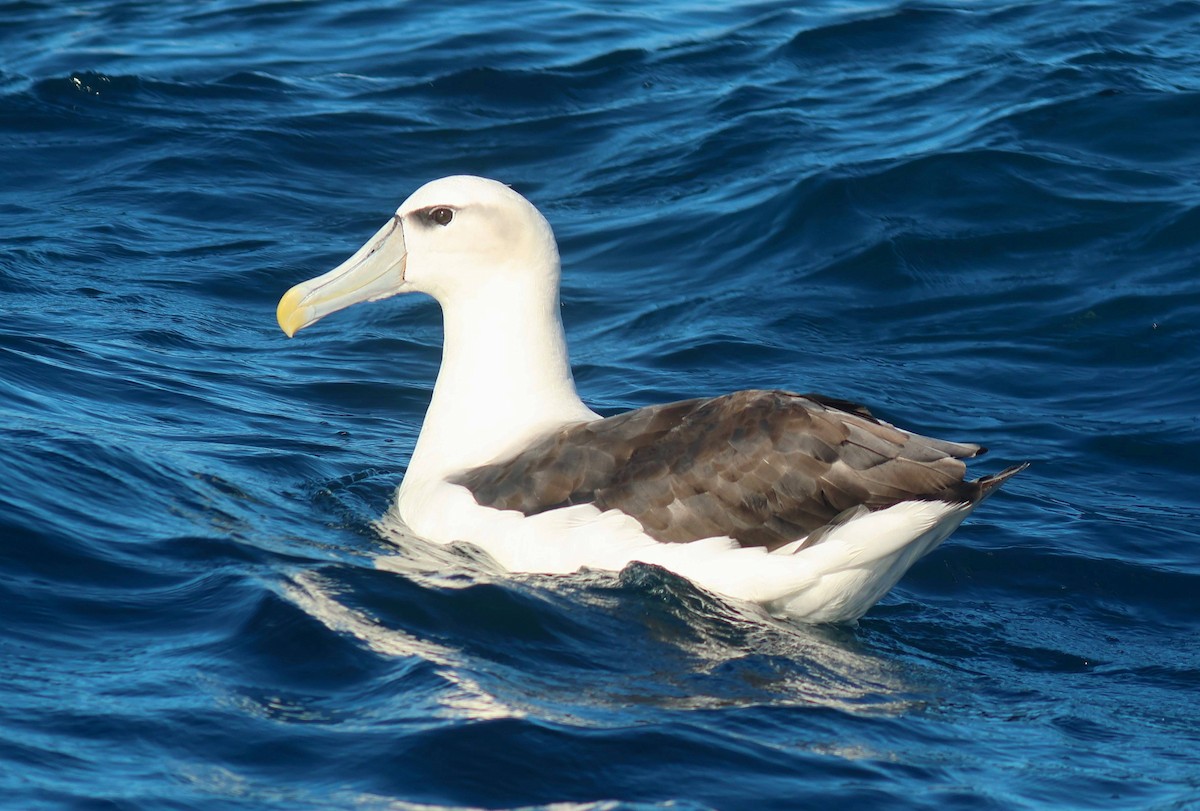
x: 762, y: 467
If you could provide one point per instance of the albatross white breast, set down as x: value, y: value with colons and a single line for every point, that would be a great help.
x: 804, y: 504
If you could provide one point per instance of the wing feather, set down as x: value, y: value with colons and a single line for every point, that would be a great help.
x: 763, y: 467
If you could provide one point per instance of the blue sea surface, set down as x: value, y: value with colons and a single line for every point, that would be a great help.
x: 982, y: 219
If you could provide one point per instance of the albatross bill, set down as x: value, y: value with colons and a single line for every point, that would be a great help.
x: 375, y: 271
x: 804, y: 504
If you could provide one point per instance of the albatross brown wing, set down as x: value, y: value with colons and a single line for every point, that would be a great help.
x: 762, y: 467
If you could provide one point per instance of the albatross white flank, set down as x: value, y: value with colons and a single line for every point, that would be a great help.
x: 804, y: 504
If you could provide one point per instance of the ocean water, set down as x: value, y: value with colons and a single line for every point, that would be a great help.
x: 980, y: 218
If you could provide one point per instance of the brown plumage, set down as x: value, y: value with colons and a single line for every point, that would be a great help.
x: 763, y: 467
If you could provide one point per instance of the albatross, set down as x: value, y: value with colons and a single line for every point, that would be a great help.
x: 803, y: 504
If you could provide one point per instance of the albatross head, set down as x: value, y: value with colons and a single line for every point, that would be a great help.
x: 456, y: 238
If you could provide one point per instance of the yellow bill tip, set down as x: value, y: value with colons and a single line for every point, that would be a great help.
x: 290, y: 314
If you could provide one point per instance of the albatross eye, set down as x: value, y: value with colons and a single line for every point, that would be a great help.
x: 441, y: 215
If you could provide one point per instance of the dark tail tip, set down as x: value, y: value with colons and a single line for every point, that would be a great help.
x: 988, y: 484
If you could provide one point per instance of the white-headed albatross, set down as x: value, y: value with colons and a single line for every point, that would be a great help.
x: 803, y: 504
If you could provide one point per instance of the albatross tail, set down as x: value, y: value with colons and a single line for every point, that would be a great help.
x: 863, y: 554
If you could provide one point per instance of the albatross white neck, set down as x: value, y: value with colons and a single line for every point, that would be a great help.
x: 505, y: 376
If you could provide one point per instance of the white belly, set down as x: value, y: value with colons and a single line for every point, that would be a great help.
x: 837, y: 579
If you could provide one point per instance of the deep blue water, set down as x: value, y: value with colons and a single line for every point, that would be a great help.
x: 982, y: 219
